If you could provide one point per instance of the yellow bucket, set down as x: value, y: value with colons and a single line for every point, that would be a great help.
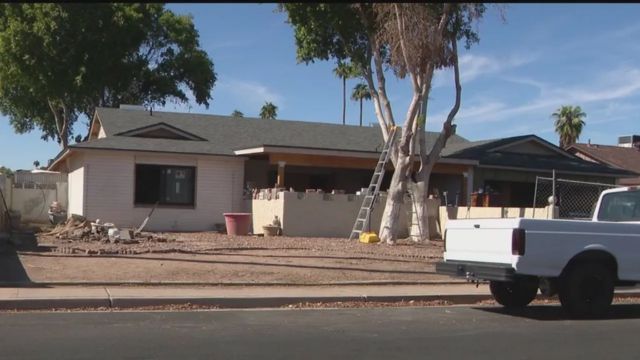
x: 369, y: 238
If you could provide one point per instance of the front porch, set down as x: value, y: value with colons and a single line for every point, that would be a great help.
x: 330, y: 171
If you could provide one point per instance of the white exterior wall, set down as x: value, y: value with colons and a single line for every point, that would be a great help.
x: 110, y: 186
x: 76, y: 186
x: 319, y: 215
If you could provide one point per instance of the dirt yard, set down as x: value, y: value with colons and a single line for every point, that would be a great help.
x: 208, y: 258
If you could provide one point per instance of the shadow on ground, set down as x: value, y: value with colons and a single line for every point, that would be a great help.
x: 250, y: 263
x: 555, y: 312
x: 12, y: 272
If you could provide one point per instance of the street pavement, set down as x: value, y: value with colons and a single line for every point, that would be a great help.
x: 538, y: 332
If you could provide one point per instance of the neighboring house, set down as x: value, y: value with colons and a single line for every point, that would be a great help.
x: 199, y: 166
x: 510, y: 166
x: 626, y: 155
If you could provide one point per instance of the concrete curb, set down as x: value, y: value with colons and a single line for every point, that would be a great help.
x: 45, y: 304
x: 235, y: 302
x: 198, y: 284
x: 223, y: 302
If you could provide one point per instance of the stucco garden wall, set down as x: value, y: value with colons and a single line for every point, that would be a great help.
x: 317, y: 215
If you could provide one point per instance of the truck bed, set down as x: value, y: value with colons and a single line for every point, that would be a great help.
x: 549, y: 244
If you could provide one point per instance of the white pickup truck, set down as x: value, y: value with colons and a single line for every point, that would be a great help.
x: 581, y: 261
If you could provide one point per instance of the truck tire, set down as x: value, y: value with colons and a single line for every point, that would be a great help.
x: 586, y: 290
x: 514, y: 294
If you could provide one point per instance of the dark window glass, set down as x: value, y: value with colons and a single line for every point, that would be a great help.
x: 620, y: 206
x: 168, y: 185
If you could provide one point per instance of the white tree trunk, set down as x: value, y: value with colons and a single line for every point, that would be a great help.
x: 389, y: 226
x: 419, y: 230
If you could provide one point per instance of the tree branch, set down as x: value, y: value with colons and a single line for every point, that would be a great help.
x: 56, y: 116
x: 366, y: 74
x: 447, y: 128
x: 382, y: 90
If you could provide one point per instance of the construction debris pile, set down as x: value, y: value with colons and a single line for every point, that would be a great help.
x: 78, y: 228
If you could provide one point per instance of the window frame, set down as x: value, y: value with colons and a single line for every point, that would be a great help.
x: 160, y: 202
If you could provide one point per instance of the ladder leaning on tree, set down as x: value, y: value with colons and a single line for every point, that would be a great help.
x: 364, y: 214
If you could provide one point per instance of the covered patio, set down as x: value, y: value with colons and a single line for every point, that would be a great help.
x: 337, y: 171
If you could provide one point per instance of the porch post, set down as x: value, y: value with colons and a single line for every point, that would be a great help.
x: 280, y: 181
x: 469, y: 185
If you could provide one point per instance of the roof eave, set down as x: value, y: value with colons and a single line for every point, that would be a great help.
x: 62, y: 155
x: 559, y: 171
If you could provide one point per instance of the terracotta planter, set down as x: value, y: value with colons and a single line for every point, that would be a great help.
x: 237, y: 223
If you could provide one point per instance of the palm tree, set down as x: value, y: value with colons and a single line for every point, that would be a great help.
x: 361, y: 92
x: 237, y: 113
x: 569, y: 124
x: 344, y: 71
x: 269, y: 111
x: 36, y: 164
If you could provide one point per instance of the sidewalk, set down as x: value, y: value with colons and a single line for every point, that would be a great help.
x: 239, y: 296
x: 230, y: 296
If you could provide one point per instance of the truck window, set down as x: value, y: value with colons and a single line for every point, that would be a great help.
x: 620, y: 206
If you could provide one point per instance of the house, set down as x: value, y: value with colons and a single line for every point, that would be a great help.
x: 198, y: 167
x: 625, y: 155
x: 509, y: 166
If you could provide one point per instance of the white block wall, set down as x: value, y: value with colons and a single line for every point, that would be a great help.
x: 110, y: 185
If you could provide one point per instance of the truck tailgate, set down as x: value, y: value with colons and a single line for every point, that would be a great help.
x: 480, y: 240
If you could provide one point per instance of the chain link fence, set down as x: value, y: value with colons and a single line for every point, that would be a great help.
x: 575, y: 199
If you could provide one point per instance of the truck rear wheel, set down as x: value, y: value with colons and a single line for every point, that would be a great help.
x: 514, y: 294
x: 587, y: 290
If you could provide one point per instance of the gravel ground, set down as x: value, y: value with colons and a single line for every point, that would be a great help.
x: 207, y: 257
x: 211, y: 242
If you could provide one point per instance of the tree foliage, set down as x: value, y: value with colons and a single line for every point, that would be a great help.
x: 237, y: 113
x: 269, y: 111
x: 568, y: 124
x: 6, y: 171
x: 62, y: 60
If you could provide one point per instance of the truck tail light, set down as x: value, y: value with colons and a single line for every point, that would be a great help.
x: 517, y: 242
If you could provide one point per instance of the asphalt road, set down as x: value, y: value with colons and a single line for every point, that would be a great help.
x: 384, y: 333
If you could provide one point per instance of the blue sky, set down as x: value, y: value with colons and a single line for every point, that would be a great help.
x: 543, y: 56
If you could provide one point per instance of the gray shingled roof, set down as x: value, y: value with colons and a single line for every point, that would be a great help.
x: 481, y: 151
x: 224, y: 134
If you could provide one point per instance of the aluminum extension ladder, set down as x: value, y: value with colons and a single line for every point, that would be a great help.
x: 364, y: 214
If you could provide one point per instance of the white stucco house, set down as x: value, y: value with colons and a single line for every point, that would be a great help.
x: 197, y: 167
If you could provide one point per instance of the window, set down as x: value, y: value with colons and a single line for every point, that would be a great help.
x: 168, y: 185
x: 620, y: 206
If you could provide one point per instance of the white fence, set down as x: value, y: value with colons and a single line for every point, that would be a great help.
x: 4, y: 212
x: 31, y: 195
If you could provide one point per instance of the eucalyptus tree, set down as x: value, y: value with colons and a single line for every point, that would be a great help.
x: 413, y: 40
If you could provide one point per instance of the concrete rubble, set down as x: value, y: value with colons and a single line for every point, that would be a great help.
x: 78, y: 228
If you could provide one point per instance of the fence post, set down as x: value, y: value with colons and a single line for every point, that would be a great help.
x: 535, y: 195
x: 553, y: 187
